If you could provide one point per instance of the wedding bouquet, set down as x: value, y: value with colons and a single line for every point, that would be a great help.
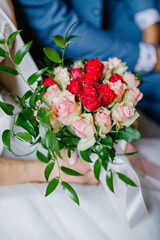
x: 86, y: 107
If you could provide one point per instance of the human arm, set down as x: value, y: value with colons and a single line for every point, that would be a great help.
x: 15, y: 171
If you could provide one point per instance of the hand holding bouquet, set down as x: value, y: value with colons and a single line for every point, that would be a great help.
x: 85, y: 107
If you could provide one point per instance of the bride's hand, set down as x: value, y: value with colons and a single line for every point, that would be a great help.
x: 76, y: 164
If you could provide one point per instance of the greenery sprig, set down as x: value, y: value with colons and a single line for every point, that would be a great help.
x: 42, y: 133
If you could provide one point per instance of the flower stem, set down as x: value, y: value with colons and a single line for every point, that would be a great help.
x: 18, y: 68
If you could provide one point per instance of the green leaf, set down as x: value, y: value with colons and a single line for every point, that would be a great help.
x: 97, y: 169
x: 107, y: 142
x: 12, y: 37
x: 49, y: 141
x: 52, y: 55
x: 3, y: 53
x: 42, y: 131
x: 83, y: 59
x: 52, y: 186
x: 33, y: 98
x: 138, y: 75
x: 126, y: 179
x: 24, y: 136
x: 105, y: 164
x: 2, y: 39
x: 8, y: 70
x: 6, y: 135
x: 59, y: 40
x: 56, y: 145
x: 7, y: 108
x: 70, y: 192
x: 109, y: 180
x: 130, y: 134
x: 112, y: 154
x: 42, y: 157
x: 21, y: 53
x: 69, y: 152
x: 24, y: 123
x: 71, y: 172
x: 101, y: 151
x: 127, y: 154
x: 41, y: 112
x: 46, y: 122
x: 71, y: 27
x: 27, y: 113
x: 31, y: 80
x: 49, y: 169
x: 85, y: 156
x: 70, y: 37
x: 144, y: 81
x: 25, y: 97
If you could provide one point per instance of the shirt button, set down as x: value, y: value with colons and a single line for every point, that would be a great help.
x: 96, y: 12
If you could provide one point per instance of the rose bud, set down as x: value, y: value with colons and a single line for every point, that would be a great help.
x: 118, y: 87
x: 93, y: 65
x: 124, y: 114
x: 103, y: 120
x: 131, y: 80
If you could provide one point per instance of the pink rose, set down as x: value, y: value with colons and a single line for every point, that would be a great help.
x: 121, y: 112
x: 118, y: 87
x: 64, y: 106
x: 136, y: 94
x: 83, y: 126
x: 105, y: 66
x: 103, y: 116
x: 131, y: 80
x: 113, y: 62
x: 77, y: 64
x: 62, y: 76
x: 52, y: 91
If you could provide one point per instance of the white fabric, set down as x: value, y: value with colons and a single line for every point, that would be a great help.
x: 26, y: 214
x: 146, y: 18
x: 14, y: 84
x: 133, y: 209
x: 147, y: 58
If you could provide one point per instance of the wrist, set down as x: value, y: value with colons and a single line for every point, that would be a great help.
x: 36, y: 171
x: 157, y: 65
x: 151, y: 34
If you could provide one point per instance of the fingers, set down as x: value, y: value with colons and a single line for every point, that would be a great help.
x: 79, y: 165
x: 88, y: 178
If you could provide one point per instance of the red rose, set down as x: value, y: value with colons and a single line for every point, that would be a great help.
x: 75, y: 87
x: 91, y: 78
x: 76, y: 72
x: 93, y: 65
x: 115, y: 77
x: 90, y: 99
x: 49, y: 82
x: 106, y: 94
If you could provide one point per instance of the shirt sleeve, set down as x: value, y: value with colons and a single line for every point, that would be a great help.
x: 147, y: 58
x: 47, y: 17
x: 146, y: 18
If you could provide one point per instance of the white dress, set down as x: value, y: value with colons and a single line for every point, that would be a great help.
x: 26, y: 214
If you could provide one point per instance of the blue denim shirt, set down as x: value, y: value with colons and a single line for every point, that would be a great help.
x: 108, y: 29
